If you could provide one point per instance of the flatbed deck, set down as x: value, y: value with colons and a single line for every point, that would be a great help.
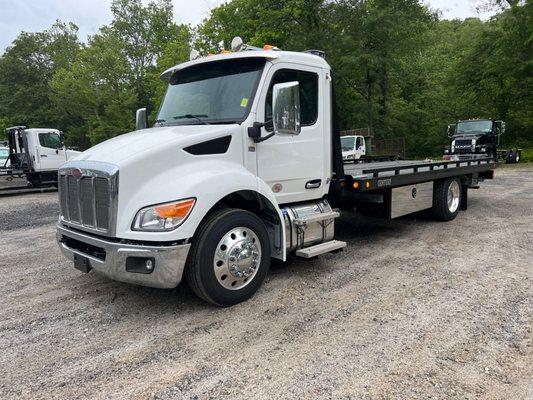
x: 378, y: 175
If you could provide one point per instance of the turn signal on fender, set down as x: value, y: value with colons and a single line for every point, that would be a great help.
x: 175, y: 210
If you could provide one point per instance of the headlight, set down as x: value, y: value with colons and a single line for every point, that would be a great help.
x: 163, y: 217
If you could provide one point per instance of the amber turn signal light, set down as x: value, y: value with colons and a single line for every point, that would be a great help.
x: 175, y: 210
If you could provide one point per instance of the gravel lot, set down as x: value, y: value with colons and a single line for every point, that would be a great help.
x: 412, y: 309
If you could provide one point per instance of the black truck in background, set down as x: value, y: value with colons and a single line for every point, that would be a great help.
x: 479, y: 137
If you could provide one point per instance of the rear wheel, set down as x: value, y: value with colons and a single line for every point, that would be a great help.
x: 446, y: 199
x: 229, y: 257
x: 510, y: 157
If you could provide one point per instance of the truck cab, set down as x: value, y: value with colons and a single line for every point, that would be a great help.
x: 37, y: 153
x: 249, y: 132
x: 474, y: 137
x: 353, y: 147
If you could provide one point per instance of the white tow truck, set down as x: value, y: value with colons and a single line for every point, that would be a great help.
x: 243, y: 164
x: 36, y: 153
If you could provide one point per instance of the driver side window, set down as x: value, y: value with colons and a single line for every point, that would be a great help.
x: 308, y: 95
x: 51, y: 140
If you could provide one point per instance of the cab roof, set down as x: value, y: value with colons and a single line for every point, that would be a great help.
x: 271, y: 55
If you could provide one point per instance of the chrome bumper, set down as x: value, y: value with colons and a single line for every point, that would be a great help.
x: 169, y: 261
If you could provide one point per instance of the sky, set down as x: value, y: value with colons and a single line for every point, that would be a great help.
x: 90, y: 15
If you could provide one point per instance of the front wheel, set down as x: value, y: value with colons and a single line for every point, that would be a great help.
x: 229, y: 257
x: 446, y: 199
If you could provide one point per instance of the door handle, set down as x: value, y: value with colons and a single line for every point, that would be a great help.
x: 44, y: 155
x: 314, y: 184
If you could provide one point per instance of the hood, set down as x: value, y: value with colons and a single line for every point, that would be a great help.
x: 123, y: 147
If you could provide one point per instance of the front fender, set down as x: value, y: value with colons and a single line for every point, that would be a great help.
x: 207, y: 180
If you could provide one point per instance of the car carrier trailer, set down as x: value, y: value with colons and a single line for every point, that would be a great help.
x: 243, y: 164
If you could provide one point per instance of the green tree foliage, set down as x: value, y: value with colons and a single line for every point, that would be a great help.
x: 397, y: 67
x: 26, y: 68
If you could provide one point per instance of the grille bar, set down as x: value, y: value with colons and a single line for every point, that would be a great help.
x: 88, y: 197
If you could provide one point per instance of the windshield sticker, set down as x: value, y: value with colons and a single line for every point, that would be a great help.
x: 244, y: 102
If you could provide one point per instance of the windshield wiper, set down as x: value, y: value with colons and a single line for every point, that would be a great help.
x: 198, y: 117
x: 160, y: 121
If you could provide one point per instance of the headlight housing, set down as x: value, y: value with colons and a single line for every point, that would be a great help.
x: 163, y: 217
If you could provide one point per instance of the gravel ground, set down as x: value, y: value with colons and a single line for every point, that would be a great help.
x: 412, y: 309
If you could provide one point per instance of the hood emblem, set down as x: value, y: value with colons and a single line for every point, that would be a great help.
x: 76, y: 173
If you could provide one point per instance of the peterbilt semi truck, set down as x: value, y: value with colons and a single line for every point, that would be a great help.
x: 243, y: 165
x: 479, y: 138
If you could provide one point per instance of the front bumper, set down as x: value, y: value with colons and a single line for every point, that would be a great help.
x: 109, y: 258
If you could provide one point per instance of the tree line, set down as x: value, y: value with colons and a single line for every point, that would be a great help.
x: 398, y: 68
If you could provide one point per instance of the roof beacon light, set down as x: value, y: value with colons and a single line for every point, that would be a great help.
x: 318, y: 53
x: 237, y: 44
x: 194, y: 54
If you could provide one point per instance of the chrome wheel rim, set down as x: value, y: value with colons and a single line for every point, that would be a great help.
x: 453, y: 196
x: 237, y: 258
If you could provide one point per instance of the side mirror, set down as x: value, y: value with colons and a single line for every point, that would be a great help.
x: 140, y: 119
x: 451, y: 130
x: 286, y: 108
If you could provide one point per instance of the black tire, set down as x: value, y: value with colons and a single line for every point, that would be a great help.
x: 517, y: 156
x: 199, y: 271
x: 510, y: 157
x: 440, y: 210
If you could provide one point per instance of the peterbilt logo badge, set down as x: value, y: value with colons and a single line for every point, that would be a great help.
x: 76, y: 173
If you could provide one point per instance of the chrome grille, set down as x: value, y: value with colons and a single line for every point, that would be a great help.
x: 102, y: 204
x: 88, y: 196
x: 463, y: 146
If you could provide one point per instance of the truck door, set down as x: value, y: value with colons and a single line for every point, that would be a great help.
x: 51, y: 151
x: 359, y: 147
x: 293, y: 165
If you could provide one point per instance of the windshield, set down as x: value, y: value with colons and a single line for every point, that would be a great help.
x: 347, y: 143
x: 214, y: 92
x: 3, y: 153
x: 470, y: 127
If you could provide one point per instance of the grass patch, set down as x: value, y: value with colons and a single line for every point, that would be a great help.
x: 527, y: 155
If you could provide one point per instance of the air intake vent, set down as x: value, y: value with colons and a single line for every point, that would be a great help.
x: 215, y: 146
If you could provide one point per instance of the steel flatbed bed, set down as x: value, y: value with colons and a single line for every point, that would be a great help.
x: 391, y: 174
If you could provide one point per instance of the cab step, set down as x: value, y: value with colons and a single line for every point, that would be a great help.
x: 321, y: 248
